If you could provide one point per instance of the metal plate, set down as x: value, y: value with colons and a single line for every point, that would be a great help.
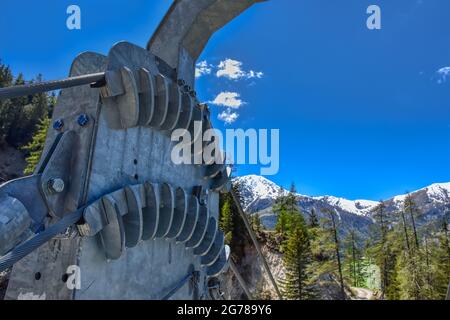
x: 112, y: 236
x: 221, y: 263
x: 161, y: 101
x: 192, y: 215
x: 186, y: 113
x: 208, y: 240
x: 174, y: 108
x: 179, y: 215
x: 215, y: 250
x: 166, y: 209
x: 147, y: 96
x: 150, y: 212
x: 200, y: 228
x: 133, y: 220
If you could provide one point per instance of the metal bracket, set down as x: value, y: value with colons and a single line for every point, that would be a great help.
x: 56, y: 176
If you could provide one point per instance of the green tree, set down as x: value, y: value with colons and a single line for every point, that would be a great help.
x: 282, y: 226
x: 36, y: 146
x: 226, y: 220
x: 380, y: 250
x: 338, y: 253
x: 240, y: 238
x: 6, y: 80
x: 256, y: 224
x: 411, y: 209
x: 296, y: 259
x: 326, y: 251
x: 313, y: 219
x: 287, y: 211
x: 353, y: 268
x: 440, y: 261
x: 411, y: 276
x: 413, y: 262
x: 20, y: 116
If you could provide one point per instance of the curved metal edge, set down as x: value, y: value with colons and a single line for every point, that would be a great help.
x: 179, y: 215
x: 213, y: 253
x: 166, y: 209
x: 112, y: 237
x: 221, y: 264
x: 200, y: 229
x: 150, y: 212
x: 192, y: 215
x: 133, y: 220
x: 208, y: 240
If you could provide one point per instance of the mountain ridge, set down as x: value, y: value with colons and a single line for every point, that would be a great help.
x: 259, y: 193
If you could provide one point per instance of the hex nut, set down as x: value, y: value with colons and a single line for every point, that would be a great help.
x: 55, y: 185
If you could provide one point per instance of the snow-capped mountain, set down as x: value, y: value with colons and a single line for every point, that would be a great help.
x: 258, y: 195
x: 358, y: 207
x: 438, y: 193
x: 255, y: 190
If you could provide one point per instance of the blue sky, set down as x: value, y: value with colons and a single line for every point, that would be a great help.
x: 363, y: 114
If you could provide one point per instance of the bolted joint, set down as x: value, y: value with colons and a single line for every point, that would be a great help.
x: 83, y: 120
x: 55, y: 185
x: 187, y: 88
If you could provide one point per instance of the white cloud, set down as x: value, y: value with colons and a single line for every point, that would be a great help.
x: 231, y: 101
x: 232, y: 69
x: 443, y: 73
x: 228, y: 116
x: 202, y: 68
x: 228, y: 99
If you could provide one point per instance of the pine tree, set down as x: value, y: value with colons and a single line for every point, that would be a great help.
x: 296, y: 260
x: 20, y: 116
x: 287, y: 210
x: 291, y: 200
x: 353, y: 259
x: 282, y: 225
x: 413, y: 276
x: 6, y: 79
x: 313, y: 219
x: 411, y: 209
x: 326, y: 252
x: 256, y: 224
x: 36, y: 146
x: 380, y: 251
x: 338, y: 254
x: 405, y: 230
x: 240, y: 238
x: 440, y: 261
x: 226, y: 220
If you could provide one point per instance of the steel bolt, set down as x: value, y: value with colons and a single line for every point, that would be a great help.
x: 83, y: 120
x: 181, y: 82
x: 55, y: 185
x: 192, y: 93
x: 58, y: 124
x: 187, y: 88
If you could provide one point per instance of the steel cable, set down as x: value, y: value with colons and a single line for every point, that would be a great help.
x: 22, y: 250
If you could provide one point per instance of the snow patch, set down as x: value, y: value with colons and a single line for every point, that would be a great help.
x: 358, y: 207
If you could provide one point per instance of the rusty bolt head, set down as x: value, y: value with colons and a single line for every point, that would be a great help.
x: 55, y: 185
